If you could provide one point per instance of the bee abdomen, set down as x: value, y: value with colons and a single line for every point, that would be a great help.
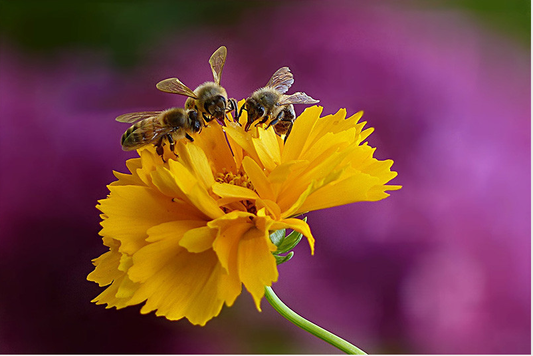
x: 282, y: 127
x: 137, y: 135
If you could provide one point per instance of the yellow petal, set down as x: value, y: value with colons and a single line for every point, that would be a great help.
x: 125, y: 262
x: 213, y: 142
x: 196, y: 161
x: 172, y: 229
x: 267, y: 148
x: 187, y: 286
x: 179, y: 182
x: 106, y: 269
x: 126, y: 289
x: 258, y: 178
x: 299, y: 134
x: 297, y: 225
x: 225, y: 190
x: 243, y: 140
x: 131, y: 211
x: 231, y: 227
x: 163, y: 246
x: 281, y: 177
x: 257, y: 265
x: 109, y: 295
x: 349, y: 190
x: 199, y: 239
x: 184, y: 179
x: 271, y: 206
x: 201, y: 199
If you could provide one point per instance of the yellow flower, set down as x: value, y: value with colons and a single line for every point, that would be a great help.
x: 184, y: 235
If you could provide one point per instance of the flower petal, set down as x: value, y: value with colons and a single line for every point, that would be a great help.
x: 300, y: 133
x: 297, y: 225
x: 225, y: 190
x: 163, y: 245
x: 243, y: 139
x: 267, y: 148
x: 256, y: 264
x: 106, y: 269
x: 231, y: 227
x: 258, y: 178
x: 213, y: 143
x: 131, y: 211
x: 194, y: 158
x: 199, y: 239
x: 186, y: 286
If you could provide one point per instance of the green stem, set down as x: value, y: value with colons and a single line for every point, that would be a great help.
x: 308, y: 326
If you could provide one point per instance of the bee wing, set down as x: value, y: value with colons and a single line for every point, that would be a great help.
x: 175, y: 86
x: 281, y: 80
x: 297, y: 98
x: 217, y: 61
x: 137, y: 116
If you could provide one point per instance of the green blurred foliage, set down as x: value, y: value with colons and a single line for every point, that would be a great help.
x: 510, y: 17
x: 124, y: 27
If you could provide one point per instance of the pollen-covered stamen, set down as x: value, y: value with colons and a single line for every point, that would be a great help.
x: 241, y: 179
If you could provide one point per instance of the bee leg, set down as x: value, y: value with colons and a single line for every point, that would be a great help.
x: 273, y: 122
x: 233, y: 107
x: 239, y: 115
x: 263, y: 121
x: 288, y: 132
x: 206, y: 118
x: 188, y: 137
x: 171, y: 142
x: 160, y: 150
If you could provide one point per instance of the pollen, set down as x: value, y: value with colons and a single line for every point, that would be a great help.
x: 240, y: 179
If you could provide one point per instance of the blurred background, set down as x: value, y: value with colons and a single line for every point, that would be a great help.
x: 441, y: 266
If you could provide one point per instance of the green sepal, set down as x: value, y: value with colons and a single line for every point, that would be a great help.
x: 285, y: 244
x: 277, y: 237
x: 280, y: 259
x: 290, y: 242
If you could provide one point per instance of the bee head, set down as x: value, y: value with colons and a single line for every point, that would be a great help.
x: 194, y: 123
x: 255, y: 111
x: 216, y: 107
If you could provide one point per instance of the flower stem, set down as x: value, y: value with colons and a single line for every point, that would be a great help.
x: 308, y: 326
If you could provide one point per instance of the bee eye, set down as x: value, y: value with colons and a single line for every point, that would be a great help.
x: 260, y: 111
x: 221, y: 101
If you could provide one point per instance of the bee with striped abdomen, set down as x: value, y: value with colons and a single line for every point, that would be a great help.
x: 154, y: 126
x: 271, y: 103
x: 209, y: 99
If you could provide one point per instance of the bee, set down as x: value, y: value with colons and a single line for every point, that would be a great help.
x: 270, y: 102
x: 209, y: 99
x: 154, y: 126
x: 286, y: 120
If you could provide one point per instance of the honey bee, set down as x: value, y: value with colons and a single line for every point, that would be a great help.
x: 209, y: 99
x: 154, y: 126
x: 270, y: 102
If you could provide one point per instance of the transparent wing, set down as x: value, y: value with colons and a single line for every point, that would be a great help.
x: 281, y: 80
x: 175, y: 86
x: 217, y: 61
x: 297, y: 98
x: 137, y: 116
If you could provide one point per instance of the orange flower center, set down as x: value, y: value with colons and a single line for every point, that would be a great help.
x: 240, y: 179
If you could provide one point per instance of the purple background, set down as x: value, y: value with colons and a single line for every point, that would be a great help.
x: 441, y: 266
